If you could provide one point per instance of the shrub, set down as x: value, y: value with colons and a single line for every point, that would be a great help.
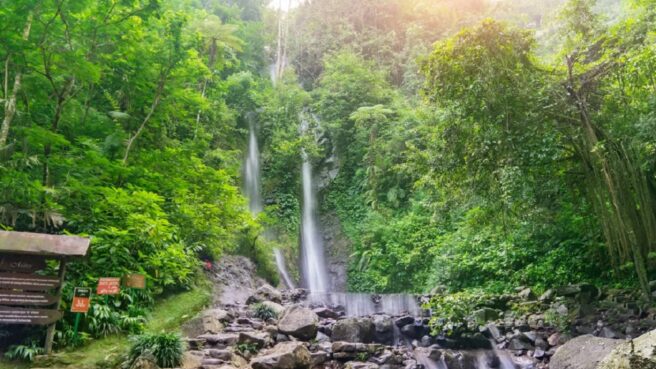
x: 264, y: 312
x: 451, y: 312
x: 24, y: 352
x: 247, y: 349
x: 167, y: 348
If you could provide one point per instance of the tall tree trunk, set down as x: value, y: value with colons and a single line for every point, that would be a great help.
x: 153, y: 107
x: 10, y: 102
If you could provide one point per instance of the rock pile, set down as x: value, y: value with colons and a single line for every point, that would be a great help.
x: 237, y: 336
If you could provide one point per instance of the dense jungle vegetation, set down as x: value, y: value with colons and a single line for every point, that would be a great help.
x: 481, y: 145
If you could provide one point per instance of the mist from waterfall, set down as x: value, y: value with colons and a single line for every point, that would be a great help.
x: 314, y: 262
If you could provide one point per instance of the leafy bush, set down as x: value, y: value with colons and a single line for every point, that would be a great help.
x: 167, y: 348
x: 264, y: 312
x: 553, y: 318
x: 247, y: 349
x: 24, y: 352
x: 105, y: 321
x: 451, y: 312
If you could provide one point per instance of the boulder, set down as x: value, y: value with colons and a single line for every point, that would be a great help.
x: 636, y: 354
x: 404, y: 320
x: 584, y: 352
x: 299, y: 322
x: 526, y: 294
x: 212, y: 320
x: 492, y: 331
x: 259, y: 339
x: 547, y: 296
x: 224, y: 339
x: 484, y: 315
x: 321, y: 338
x: 265, y: 293
x: 192, y: 359
x: 324, y: 312
x: 520, y: 342
x: 147, y: 361
x: 383, y: 329
x: 354, y: 330
x: 360, y: 365
x: 285, y: 355
x: 225, y: 355
x: 318, y: 358
x: 277, y: 308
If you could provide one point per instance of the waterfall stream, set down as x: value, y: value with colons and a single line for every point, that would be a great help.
x: 313, y: 258
x: 253, y: 190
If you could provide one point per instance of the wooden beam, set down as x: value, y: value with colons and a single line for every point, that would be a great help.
x: 50, y: 333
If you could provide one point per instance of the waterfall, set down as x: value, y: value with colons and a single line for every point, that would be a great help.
x: 314, y: 263
x: 252, y: 169
x: 282, y: 268
x: 254, y: 192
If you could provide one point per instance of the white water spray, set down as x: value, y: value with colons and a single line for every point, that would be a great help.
x: 252, y: 169
x: 314, y: 263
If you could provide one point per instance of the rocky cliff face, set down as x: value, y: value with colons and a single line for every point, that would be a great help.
x: 338, y: 249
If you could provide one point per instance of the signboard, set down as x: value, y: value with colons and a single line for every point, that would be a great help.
x: 11, y: 315
x: 81, y: 300
x: 26, y: 298
x: 135, y: 281
x: 108, y: 286
x: 21, y: 263
x: 27, y: 282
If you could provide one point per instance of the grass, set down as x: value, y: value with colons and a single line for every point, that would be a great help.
x: 168, y: 315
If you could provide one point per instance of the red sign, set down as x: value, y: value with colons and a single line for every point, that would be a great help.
x: 108, y: 286
x: 81, y: 300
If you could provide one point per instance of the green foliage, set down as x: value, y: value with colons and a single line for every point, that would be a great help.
x: 167, y: 348
x: 555, y: 319
x: 24, y: 352
x: 451, y: 312
x: 247, y: 349
x: 264, y: 312
x: 362, y: 356
x: 135, y: 143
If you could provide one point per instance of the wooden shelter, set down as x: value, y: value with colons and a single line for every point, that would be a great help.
x: 21, y: 255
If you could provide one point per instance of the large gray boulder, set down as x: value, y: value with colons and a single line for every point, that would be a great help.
x: 383, y: 329
x: 213, y: 319
x: 299, y: 322
x: 354, y: 330
x: 639, y: 354
x: 583, y: 352
x: 285, y: 355
x: 265, y: 293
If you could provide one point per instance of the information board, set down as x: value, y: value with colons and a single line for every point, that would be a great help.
x: 12, y: 315
x: 26, y: 298
x: 27, y: 282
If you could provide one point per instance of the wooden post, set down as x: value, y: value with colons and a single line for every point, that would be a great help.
x: 50, y: 333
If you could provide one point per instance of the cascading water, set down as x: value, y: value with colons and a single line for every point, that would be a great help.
x: 314, y: 263
x: 252, y: 169
x: 253, y: 190
x: 282, y: 268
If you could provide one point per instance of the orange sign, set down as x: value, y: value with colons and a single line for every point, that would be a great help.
x: 108, y: 286
x: 135, y: 281
x: 81, y: 300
